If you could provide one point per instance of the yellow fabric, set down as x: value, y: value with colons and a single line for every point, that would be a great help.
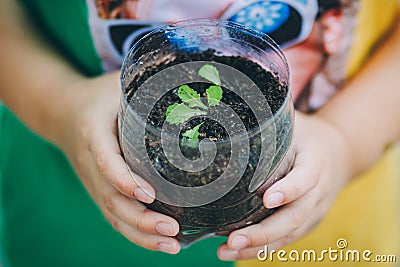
x: 373, y: 21
x: 366, y: 214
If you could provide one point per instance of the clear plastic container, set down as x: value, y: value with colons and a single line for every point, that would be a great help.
x: 215, y: 185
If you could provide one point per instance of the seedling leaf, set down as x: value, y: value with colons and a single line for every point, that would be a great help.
x: 210, y: 73
x: 192, y: 136
x: 179, y: 113
x: 170, y: 108
x: 214, y: 95
x: 190, y: 97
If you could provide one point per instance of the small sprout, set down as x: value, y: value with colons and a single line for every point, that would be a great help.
x: 210, y: 73
x: 192, y: 106
x: 190, y: 97
x: 214, y: 95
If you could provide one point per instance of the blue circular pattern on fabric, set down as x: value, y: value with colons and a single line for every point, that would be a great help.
x: 265, y: 16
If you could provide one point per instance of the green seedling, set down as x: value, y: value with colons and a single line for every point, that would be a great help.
x: 192, y: 106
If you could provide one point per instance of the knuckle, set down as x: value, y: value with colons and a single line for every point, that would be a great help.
x: 126, y: 186
x: 83, y: 131
x: 102, y: 163
x: 315, y: 173
x: 110, y: 202
x: 267, y: 237
x: 141, y: 223
x: 293, y: 193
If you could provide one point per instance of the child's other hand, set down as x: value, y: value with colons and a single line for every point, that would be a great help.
x: 320, y: 170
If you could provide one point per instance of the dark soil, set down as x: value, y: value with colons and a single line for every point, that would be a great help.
x: 239, y: 207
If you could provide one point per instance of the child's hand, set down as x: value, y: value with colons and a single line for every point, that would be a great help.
x: 321, y: 169
x: 91, y: 145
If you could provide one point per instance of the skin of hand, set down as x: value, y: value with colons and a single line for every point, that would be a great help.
x: 79, y: 115
x: 93, y: 149
x: 307, y: 192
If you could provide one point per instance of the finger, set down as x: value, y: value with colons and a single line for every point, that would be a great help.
x: 227, y: 254
x: 275, y: 227
x: 112, y: 166
x: 136, y: 215
x: 152, y: 242
x: 263, y: 252
x: 118, y: 174
x: 300, y: 180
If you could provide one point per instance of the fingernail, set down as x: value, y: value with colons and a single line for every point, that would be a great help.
x: 274, y: 200
x: 166, y: 247
x: 239, y: 242
x: 142, y: 196
x: 229, y: 255
x: 164, y: 228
